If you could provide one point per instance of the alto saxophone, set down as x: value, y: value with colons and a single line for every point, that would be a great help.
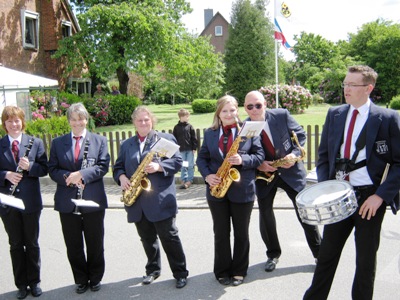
x: 269, y: 176
x: 139, y: 182
x: 225, y: 172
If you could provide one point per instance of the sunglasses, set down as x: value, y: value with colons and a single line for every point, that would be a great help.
x: 251, y: 106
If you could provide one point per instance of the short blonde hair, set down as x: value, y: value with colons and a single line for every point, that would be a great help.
x: 12, y: 112
x: 143, y: 108
x: 183, y: 112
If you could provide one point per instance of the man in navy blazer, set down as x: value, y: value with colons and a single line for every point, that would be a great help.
x: 291, y: 177
x: 22, y: 161
x: 154, y: 211
x: 379, y: 128
x: 81, y: 159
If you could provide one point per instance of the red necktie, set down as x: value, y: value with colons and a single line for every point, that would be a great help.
x: 347, y: 146
x: 226, y: 140
x: 77, y: 147
x: 268, y: 144
x: 15, y: 149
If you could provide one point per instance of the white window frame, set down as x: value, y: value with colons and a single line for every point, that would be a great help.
x: 218, y: 30
x: 30, y: 21
x: 68, y: 26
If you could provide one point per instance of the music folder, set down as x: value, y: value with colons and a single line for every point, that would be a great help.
x: 11, y: 201
x: 165, y: 148
x: 252, y: 128
x: 85, y: 203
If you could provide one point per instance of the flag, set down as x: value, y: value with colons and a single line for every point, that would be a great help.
x: 282, y: 21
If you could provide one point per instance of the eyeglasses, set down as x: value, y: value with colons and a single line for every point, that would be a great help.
x: 350, y: 85
x: 251, y: 106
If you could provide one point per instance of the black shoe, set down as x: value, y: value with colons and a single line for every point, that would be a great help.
x: 181, y: 282
x: 22, y: 293
x: 270, y: 265
x: 36, y: 291
x: 224, y: 280
x: 81, y: 288
x: 95, y: 287
x: 150, y: 278
x: 237, y: 280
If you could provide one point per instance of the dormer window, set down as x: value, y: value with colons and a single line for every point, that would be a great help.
x: 66, y: 29
x: 30, y: 29
x: 218, y: 30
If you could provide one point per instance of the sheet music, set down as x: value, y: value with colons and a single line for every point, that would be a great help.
x: 252, y: 128
x: 85, y: 203
x: 165, y: 148
x: 11, y: 201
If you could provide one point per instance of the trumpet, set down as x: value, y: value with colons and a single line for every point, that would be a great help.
x: 269, y: 176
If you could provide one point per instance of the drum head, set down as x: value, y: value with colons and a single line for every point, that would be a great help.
x: 323, y: 192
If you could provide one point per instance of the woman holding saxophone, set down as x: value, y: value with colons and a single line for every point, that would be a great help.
x: 22, y: 161
x: 153, y: 209
x: 78, y: 162
x: 221, y: 151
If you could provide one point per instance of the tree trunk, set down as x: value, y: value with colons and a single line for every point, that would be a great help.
x: 123, y: 80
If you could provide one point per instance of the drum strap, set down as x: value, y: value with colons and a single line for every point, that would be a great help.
x: 347, y: 165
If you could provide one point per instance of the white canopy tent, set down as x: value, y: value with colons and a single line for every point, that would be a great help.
x: 13, y: 82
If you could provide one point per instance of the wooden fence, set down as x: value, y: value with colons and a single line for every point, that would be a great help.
x: 115, y: 138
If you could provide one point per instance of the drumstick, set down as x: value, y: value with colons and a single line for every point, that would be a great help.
x: 385, y: 173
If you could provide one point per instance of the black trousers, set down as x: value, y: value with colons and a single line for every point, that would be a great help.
x: 88, y: 227
x: 268, y: 228
x: 367, y: 238
x: 226, y: 264
x: 23, y: 235
x: 167, y: 231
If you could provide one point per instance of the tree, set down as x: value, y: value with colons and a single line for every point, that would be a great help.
x: 122, y: 36
x: 192, y: 71
x: 249, y: 56
x: 377, y: 44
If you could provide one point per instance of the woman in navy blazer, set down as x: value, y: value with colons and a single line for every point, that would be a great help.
x: 22, y: 226
x: 154, y: 212
x: 237, y: 204
x: 69, y: 173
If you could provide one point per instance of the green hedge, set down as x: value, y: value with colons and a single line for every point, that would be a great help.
x: 201, y: 106
x: 395, y: 103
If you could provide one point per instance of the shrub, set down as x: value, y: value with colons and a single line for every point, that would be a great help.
x: 294, y: 98
x: 54, y: 126
x: 202, y: 106
x: 395, y: 102
x: 121, y: 108
x: 317, y: 99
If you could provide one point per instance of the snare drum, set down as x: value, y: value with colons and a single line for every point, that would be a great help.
x: 326, y: 202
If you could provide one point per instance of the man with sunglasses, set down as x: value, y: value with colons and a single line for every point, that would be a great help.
x: 291, y: 177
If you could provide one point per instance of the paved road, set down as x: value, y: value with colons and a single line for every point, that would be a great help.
x: 125, y: 259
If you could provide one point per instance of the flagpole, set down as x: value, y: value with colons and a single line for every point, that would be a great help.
x: 276, y: 75
x: 276, y: 64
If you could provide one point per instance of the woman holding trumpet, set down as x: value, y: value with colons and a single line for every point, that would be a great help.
x: 236, y: 205
x: 23, y: 160
x: 78, y: 162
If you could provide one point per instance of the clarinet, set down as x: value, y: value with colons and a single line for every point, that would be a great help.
x: 83, y: 166
x: 19, y: 170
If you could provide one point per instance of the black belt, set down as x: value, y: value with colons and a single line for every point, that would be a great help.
x: 363, y: 187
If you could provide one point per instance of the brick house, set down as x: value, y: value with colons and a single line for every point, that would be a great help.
x: 29, y: 35
x: 217, y: 27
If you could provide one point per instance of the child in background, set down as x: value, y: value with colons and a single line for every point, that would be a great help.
x: 186, y: 137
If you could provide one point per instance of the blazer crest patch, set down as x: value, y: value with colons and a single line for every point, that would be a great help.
x: 287, y: 144
x: 381, y: 147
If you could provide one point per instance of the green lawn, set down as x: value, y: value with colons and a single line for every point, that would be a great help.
x: 167, y: 116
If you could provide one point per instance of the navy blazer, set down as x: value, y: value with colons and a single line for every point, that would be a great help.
x: 160, y: 202
x: 281, y: 125
x: 28, y: 188
x: 382, y: 147
x: 210, y: 159
x: 61, y: 162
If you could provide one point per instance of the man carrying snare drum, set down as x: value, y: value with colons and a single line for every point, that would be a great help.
x: 361, y: 159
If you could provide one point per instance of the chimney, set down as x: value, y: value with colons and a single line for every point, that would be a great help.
x: 208, y: 15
